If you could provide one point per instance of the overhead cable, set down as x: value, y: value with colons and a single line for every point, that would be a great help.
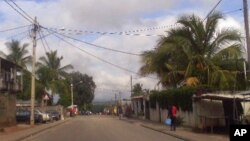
x: 212, y: 10
x: 43, y: 37
x: 90, y: 54
x: 15, y: 28
x: 39, y: 32
x: 22, y: 10
x: 232, y: 11
x: 28, y: 19
x: 98, y: 46
x: 130, y: 32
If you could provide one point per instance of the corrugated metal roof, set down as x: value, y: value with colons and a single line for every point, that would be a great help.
x: 239, y: 96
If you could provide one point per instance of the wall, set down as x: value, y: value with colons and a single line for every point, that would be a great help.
x: 209, y: 108
x: 194, y: 119
x: 7, y: 110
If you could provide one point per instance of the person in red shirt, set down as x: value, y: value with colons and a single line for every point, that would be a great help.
x: 173, y: 114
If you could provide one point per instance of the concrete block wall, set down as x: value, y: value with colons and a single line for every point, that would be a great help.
x: 7, y: 110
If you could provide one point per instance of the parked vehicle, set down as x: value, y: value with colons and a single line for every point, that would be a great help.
x: 54, y: 115
x: 44, y: 117
x: 22, y: 115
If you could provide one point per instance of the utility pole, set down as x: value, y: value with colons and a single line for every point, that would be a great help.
x: 131, y: 85
x: 72, y: 100
x: 245, y: 10
x: 32, y: 98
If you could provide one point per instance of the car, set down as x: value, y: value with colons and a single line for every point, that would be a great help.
x: 22, y: 115
x: 55, y: 115
x: 43, y: 117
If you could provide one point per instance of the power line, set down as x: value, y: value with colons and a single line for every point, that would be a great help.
x: 18, y: 34
x: 22, y: 10
x: 10, y: 29
x: 6, y: 1
x: 44, y: 38
x: 130, y: 32
x: 212, y: 10
x: 113, y: 33
x: 42, y: 42
x: 112, y: 64
x: 232, y: 11
x: 98, y: 46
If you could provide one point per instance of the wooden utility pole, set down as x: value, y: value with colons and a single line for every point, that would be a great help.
x: 131, y: 85
x: 32, y: 98
x: 245, y: 10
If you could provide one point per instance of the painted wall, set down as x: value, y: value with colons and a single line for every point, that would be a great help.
x: 194, y: 119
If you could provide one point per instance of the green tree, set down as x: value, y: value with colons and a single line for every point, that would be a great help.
x: 84, y: 88
x: 137, y: 89
x: 196, y: 52
x: 51, y: 73
x: 18, y: 53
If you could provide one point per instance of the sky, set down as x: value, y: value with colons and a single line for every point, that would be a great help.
x: 144, y: 17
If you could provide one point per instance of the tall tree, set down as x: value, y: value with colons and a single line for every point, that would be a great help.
x: 18, y: 53
x: 196, y: 52
x: 137, y: 89
x: 84, y: 89
x: 51, y: 73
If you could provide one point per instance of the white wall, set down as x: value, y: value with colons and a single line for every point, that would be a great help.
x: 208, y: 108
x: 193, y: 119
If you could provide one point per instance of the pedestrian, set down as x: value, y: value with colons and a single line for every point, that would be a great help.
x: 172, y: 113
x: 120, y: 112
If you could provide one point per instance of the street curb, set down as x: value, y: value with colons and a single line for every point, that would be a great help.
x: 173, y: 135
x: 39, y: 131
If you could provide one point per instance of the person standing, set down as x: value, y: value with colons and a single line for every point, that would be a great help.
x: 172, y: 112
x: 120, y: 112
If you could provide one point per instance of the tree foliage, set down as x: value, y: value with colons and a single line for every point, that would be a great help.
x: 198, y: 53
x: 18, y: 53
x: 137, y: 89
x: 52, y: 74
x: 84, y: 89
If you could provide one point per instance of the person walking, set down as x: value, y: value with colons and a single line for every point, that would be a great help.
x: 120, y: 112
x: 172, y: 113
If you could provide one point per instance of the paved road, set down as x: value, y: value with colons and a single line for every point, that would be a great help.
x: 100, y: 128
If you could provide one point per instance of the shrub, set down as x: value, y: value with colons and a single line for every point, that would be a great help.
x: 182, y: 97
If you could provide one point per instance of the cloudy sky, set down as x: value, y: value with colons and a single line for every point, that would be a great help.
x: 85, y: 19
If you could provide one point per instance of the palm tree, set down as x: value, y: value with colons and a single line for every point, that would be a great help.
x: 196, y: 51
x: 18, y: 53
x: 51, y: 73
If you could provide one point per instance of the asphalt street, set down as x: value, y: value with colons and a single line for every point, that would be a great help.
x: 100, y: 128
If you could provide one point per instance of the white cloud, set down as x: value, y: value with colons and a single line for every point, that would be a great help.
x: 103, y: 15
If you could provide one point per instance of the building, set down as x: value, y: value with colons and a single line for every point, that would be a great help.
x: 10, y: 85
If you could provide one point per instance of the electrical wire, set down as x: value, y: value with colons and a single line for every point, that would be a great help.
x: 22, y: 10
x: 232, y: 11
x: 6, y: 1
x: 10, y: 29
x: 18, y: 34
x: 98, y: 46
x: 98, y: 58
x: 79, y: 32
x: 131, y: 32
x: 45, y: 41
x: 212, y: 10
x: 42, y: 42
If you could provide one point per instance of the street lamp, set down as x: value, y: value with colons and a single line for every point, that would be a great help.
x: 72, y: 99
